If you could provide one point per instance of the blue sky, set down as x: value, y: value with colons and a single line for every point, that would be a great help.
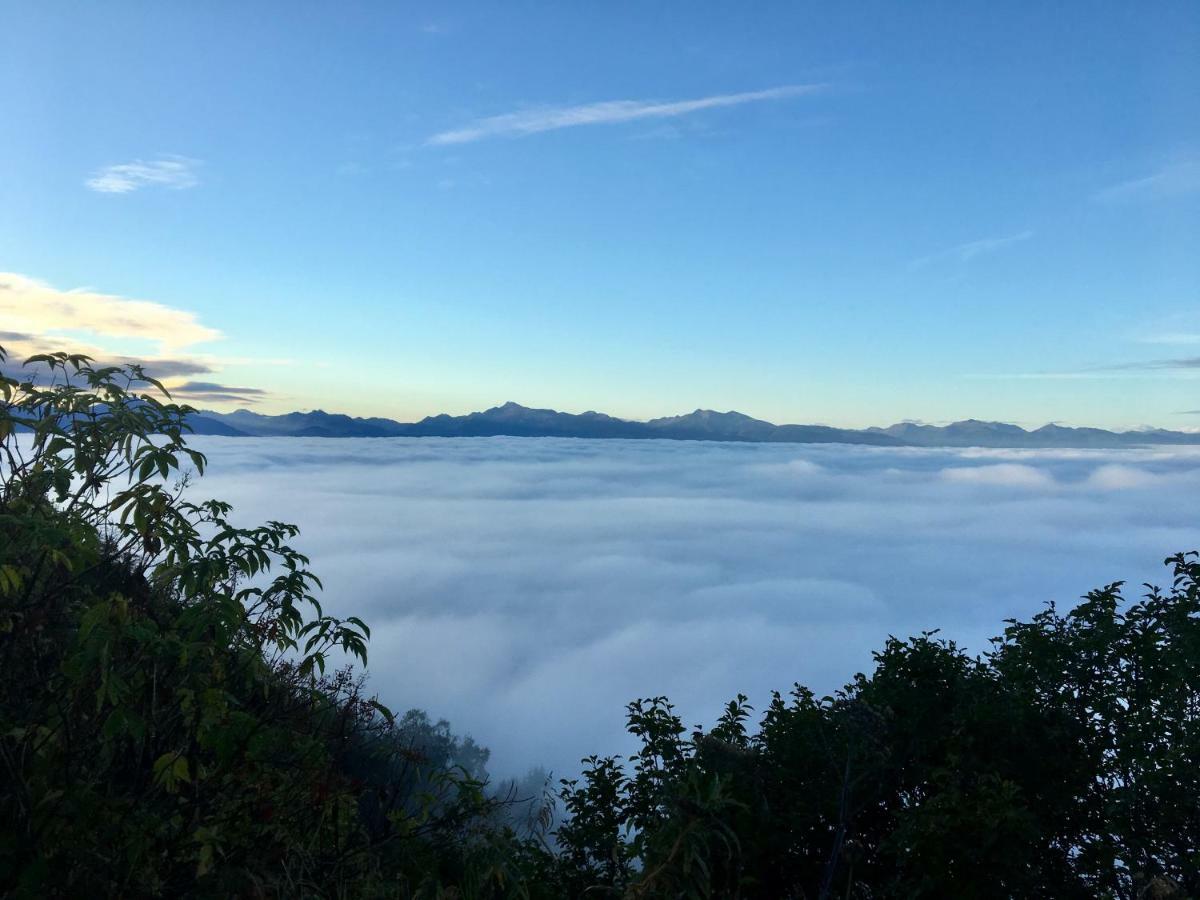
x: 851, y: 213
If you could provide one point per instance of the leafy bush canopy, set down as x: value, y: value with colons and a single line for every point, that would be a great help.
x: 170, y: 726
x: 167, y: 722
x: 1063, y: 763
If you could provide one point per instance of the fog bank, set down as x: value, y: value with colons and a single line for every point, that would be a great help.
x: 527, y: 588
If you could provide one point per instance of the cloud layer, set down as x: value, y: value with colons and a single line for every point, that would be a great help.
x: 528, y: 588
x: 609, y: 112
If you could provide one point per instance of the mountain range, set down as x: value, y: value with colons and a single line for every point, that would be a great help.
x: 514, y: 420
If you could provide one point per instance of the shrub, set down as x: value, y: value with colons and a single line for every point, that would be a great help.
x: 167, y: 724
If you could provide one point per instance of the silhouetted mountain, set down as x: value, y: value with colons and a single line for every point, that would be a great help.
x: 969, y: 433
x: 520, y: 421
x: 515, y: 420
x: 974, y: 433
x: 209, y: 424
x: 707, y: 425
x: 317, y: 423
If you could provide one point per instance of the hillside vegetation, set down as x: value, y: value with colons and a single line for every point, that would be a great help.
x: 172, y: 724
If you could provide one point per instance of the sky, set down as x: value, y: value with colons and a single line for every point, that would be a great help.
x: 851, y: 214
x: 527, y: 589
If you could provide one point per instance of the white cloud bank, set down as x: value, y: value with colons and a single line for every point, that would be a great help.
x: 528, y: 588
x: 552, y: 118
x: 35, y: 307
x: 173, y: 172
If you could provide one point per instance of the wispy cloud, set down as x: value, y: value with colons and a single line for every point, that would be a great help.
x: 1186, y: 367
x: 1181, y: 329
x: 1175, y: 329
x: 173, y: 172
x: 964, y: 253
x: 609, y: 112
x: 1191, y: 362
x: 1171, y: 180
x: 212, y: 392
x: 1037, y: 376
x: 1171, y: 338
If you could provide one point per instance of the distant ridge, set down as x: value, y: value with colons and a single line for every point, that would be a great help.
x: 514, y: 420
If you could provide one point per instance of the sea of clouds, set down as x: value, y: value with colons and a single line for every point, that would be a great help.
x: 526, y: 589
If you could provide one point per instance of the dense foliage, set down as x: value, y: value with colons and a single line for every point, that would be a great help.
x: 168, y: 726
x: 1064, y: 763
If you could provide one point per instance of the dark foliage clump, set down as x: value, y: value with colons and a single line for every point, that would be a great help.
x: 1063, y: 763
x: 167, y: 725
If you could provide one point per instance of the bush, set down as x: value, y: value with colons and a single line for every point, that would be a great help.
x: 1063, y: 763
x: 167, y: 725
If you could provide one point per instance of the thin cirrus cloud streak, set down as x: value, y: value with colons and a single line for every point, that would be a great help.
x: 1181, y: 329
x: 1170, y: 338
x: 1185, y: 367
x: 964, y: 253
x: 212, y: 392
x: 172, y: 172
x: 1191, y: 362
x: 609, y: 112
x: 1173, y: 180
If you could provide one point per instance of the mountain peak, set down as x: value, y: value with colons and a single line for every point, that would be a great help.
x: 729, y: 414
